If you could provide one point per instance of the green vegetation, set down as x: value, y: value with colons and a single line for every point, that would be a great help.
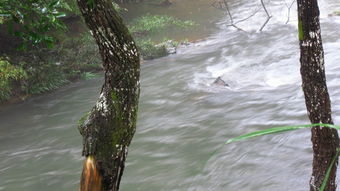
x: 50, y: 55
x: 35, y: 24
x: 43, y: 77
x: 8, y: 75
x: 155, y: 23
x: 300, y: 28
x: 73, y: 58
x: 35, y: 73
x: 33, y: 20
x: 328, y: 173
x: 143, y: 27
x: 151, y: 50
x: 89, y: 75
x: 79, y: 54
x: 279, y: 130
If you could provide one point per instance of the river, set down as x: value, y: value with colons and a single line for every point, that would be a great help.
x: 184, y: 120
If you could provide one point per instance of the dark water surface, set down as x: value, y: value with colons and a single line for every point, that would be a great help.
x: 183, y: 119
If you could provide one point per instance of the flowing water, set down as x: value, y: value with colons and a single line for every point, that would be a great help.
x: 184, y: 120
x: 199, y: 11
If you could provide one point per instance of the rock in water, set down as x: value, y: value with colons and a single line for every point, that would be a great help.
x: 220, y: 82
x: 170, y: 47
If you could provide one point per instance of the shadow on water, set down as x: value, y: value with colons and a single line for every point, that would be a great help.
x: 183, y: 119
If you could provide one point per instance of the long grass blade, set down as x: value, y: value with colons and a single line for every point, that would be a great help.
x: 291, y: 128
x: 324, y: 182
x: 279, y: 130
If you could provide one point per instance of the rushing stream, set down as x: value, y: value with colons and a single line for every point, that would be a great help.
x: 184, y: 120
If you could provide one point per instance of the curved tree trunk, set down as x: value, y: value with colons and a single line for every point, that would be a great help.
x: 111, y: 124
x: 325, y: 140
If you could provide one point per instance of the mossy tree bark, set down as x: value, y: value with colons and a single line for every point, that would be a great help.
x: 325, y: 140
x: 109, y: 127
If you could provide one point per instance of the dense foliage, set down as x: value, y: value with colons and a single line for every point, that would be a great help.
x: 49, y: 45
x: 9, y: 74
x: 154, y: 23
x: 47, y: 58
x: 31, y: 20
x: 143, y: 27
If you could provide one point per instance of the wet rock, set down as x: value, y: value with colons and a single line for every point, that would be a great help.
x: 170, y: 47
x: 335, y: 13
x: 220, y: 82
x: 186, y: 44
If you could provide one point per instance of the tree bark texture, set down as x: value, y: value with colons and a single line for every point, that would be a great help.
x: 109, y: 127
x: 325, y: 140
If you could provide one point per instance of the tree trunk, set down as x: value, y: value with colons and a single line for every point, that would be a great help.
x: 325, y: 140
x: 108, y: 129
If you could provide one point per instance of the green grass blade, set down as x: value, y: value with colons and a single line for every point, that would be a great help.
x: 278, y: 130
x: 266, y: 132
x: 324, y: 182
x: 291, y: 128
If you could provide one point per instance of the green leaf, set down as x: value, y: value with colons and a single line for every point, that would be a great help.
x: 49, y: 42
x: 66, y: 6
x: 54, y: 3
x: 90, y: 3
x: 60, y: 14
x: 22, y: 46
x: 278, y: 130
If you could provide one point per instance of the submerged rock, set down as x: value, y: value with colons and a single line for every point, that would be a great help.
x: 220, y: 82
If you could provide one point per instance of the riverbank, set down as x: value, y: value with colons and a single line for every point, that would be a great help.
x: 75, y: 55
x: 183, y: 121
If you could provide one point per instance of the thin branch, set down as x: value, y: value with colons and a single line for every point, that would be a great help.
x: 289, y: 8
x: 231, y: 17
x: 253, y: 14
x: 232, y: 23
x: 242, y: 20
x: 238, y: 28
x: 223, y: 5
x: 227, y: 8
x: 268, y: 15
